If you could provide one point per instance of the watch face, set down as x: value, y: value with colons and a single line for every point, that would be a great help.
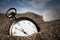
x: 23, y: 28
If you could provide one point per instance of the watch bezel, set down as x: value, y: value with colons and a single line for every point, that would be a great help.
x: 23, y: 18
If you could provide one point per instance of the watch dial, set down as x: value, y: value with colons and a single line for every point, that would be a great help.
x: 23, y: 28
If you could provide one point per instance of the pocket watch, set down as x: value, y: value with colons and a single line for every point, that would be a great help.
x: 22, y: 26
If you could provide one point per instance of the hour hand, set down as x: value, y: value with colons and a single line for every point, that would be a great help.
x: 23, y: 31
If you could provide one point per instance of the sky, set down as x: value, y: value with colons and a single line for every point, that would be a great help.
x: 39, y: 7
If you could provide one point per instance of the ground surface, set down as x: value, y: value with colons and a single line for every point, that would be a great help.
x: 48, y: 30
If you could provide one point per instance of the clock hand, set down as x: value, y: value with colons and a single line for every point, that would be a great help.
x: 22, y: 29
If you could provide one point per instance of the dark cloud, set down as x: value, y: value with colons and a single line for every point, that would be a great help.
x: 48, y: 7
x: 39, y: 4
